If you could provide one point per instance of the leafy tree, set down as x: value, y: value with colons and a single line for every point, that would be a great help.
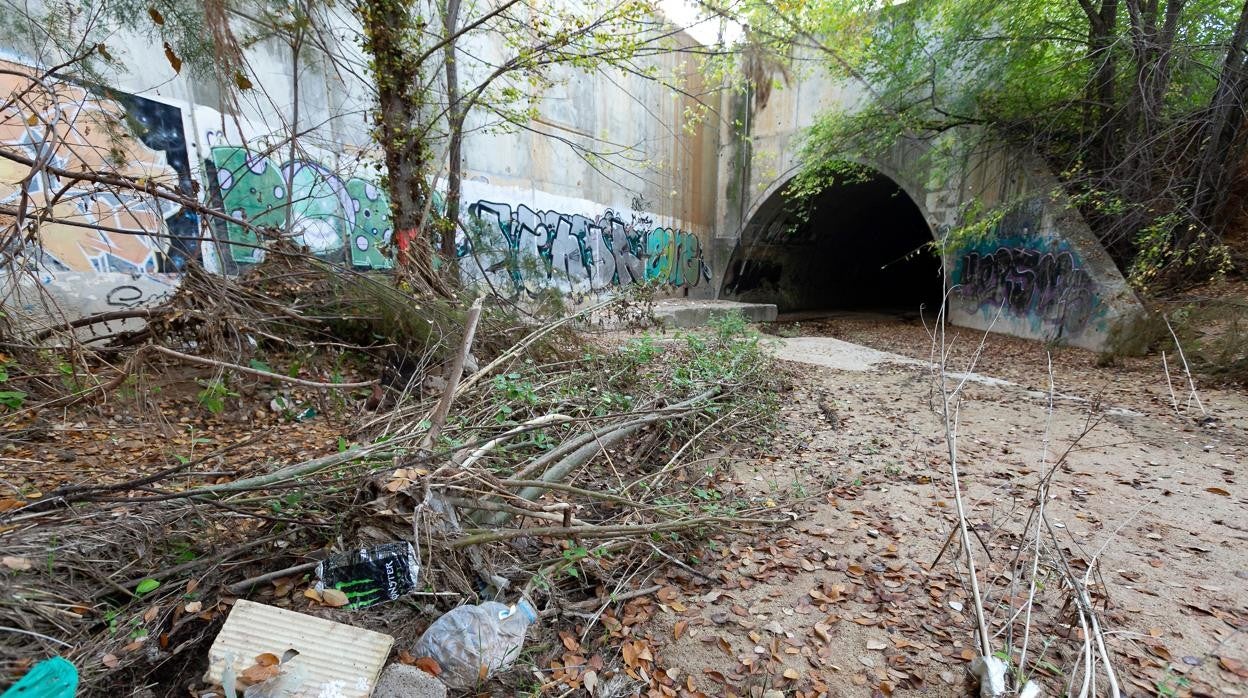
x: 418, y: 114
x: 1137, y: 104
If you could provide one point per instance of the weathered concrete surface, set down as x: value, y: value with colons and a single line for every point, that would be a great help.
x: 848, y: 356
x: 403, y: 681
x: 682, y: 210
x: 679, y: 313
x: 1040, y: 273
x: 532, y: 200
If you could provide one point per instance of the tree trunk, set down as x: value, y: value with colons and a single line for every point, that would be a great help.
x: 455, y: 120
x: 392, y: 33
x: 1104, y: 69
x: 1224, y: 141
x: 1141, y: 149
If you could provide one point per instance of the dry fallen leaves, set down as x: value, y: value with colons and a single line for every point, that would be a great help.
x: 266, y: 667
x: 19, y: 564
x: 334, y: 598
x: 1234, y: 666
x: 679, y: 629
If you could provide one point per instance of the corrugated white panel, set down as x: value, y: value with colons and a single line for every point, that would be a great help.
x: 341, y: 661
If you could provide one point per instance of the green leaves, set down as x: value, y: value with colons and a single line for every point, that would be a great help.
x: 12, y: 399
x: 1098, y: 95
x: 147, y: 586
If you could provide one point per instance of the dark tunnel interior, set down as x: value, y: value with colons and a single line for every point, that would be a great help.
x: 859, y: 245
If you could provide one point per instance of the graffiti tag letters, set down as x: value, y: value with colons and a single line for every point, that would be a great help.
x: 93, y: 229
x: 524, y: 249
x: 1049, y: 287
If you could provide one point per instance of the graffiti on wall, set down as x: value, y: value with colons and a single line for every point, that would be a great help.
x: 1029, y: 279
x: 335, y: 217
x: 522, y: 249
x: 73, y: 128
x: 339, y: 217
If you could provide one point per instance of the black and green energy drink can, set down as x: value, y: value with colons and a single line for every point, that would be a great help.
x: 370, y: 575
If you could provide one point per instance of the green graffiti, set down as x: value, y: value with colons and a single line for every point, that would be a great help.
x: 251, y: 189
x: 674, y: 257
x: 372, y: 224
x: 328, y: 214
x: 660, y: 251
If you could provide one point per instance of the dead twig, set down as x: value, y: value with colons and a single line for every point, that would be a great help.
x: 452, y: 382
x: 252, y: 371
x: 243, y: 586
x: 482, y: 537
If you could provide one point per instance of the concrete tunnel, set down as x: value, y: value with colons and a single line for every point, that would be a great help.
x: 857, y: 245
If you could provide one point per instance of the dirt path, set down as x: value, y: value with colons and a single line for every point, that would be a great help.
x: 842, y: 602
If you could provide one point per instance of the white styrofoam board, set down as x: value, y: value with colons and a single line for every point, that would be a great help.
x: 341, y: 660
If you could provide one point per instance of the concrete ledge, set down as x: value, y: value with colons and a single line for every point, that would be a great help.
x: 683, y: 314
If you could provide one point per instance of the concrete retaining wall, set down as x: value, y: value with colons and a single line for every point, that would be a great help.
x: 1040, y: 273
x: 544, y: 212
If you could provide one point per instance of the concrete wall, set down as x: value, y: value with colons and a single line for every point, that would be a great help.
x: 546, y: 214
x: 1040, y: 274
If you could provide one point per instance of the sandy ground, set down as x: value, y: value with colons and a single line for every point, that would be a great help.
x: 845, y: 602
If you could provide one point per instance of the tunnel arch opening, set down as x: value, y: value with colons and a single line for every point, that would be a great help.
x: 861, y: 244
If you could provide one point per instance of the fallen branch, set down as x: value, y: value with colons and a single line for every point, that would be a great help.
x: 292, y: 472
x: 192, y: 564
x: 243, y: 586
x: 457, y: 372
x: 252, y: 371
x: 572, y: 608
x: 559, y: 471
x: 483, y: 537
x: 479, y: 453
x: 1191, y: 383
x: 98, y: 318
x: 488, y: 505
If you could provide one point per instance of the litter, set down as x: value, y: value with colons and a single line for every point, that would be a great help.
x: 52, y: 678
x: 472, y: 643
x: 330, y: 658
x: 370, y: 575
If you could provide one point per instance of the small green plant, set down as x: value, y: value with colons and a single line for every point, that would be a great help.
x: 1171, y: 684
x: 212, y: 396
x: 799, y: 489
x: 12, y: 399
x: 110, y: 619
x: 127, y: 390
x: 515, y: 392
x: 69, y: 377
x: 287, y: 503
x: 260, y: 366
x: 182, y: 550
x: 573, y: 556
x: 640, y: 351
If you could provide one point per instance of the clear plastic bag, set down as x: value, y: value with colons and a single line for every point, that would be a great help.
x: 473, y: 643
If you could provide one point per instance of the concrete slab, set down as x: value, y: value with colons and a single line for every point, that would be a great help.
x: 682, y: 313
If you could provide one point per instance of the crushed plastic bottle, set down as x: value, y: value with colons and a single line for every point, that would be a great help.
x: 473, y: 643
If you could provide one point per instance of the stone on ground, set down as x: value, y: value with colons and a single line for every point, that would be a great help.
x: 403, y: 681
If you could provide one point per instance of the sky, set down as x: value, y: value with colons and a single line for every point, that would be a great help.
x: 685, y: 13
